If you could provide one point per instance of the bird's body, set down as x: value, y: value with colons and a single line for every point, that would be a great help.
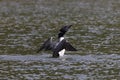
x: 59, y: 47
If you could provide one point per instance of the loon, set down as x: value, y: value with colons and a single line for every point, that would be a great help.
x: 60, y: 46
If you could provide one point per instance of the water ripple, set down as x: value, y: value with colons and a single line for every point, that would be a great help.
x: 68, y: 67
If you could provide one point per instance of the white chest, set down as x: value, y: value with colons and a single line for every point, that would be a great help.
x: 61, y: 53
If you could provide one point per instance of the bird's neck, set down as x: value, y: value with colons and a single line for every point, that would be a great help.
x: 61, y: 38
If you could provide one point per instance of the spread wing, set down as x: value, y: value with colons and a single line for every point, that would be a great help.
x: 69, y: 47
x: 47, y: 45
x: 64, y: 45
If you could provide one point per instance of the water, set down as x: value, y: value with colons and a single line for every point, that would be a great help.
x: 72, y: 67
x: 24, y: 25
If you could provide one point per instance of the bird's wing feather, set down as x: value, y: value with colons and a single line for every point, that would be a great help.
x: 69, y: 47
x: 60, y: 46
x: 46, y: 45
x: 64, y: 45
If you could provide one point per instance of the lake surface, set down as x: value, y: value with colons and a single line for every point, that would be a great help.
x: 25, y: 24
x: 69, y: 67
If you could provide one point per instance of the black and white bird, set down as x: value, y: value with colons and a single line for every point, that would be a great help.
x: 60, y: 46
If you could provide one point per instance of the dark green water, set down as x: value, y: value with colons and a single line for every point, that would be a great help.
x: 25, y: 24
